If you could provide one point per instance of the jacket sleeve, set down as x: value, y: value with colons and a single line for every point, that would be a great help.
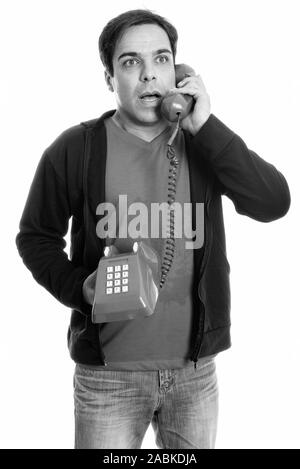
x: 40, y: 240
x: 255, y: 186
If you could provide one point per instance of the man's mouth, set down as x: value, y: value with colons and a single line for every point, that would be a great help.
x: 150, y: 97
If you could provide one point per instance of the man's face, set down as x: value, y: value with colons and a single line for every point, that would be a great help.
x: 143, y: 67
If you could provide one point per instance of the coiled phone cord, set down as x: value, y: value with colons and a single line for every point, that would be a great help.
x: 169, y: 248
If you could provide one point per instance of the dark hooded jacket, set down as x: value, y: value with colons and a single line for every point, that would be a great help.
x: 69, y: 183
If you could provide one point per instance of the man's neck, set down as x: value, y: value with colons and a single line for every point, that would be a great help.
x: 147, y: 133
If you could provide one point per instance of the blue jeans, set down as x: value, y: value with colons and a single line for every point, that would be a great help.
x: 113, y: 409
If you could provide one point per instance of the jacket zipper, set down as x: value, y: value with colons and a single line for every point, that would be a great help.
x: 103, y: 358
x: 194, y: 356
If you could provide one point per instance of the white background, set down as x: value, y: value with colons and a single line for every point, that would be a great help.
x: 247, y: 53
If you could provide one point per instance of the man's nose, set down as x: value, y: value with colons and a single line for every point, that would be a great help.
x: 148, y: 73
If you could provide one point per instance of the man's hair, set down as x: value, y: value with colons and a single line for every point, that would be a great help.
x: 116, y: 27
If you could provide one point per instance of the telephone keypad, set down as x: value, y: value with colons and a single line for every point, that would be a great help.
x: 114, y: 275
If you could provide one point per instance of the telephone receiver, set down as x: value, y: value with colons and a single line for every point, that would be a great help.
x: 178, y: 105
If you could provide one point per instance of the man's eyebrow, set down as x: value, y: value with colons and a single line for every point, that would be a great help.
x: 135, y: 54
x: 162, y: 51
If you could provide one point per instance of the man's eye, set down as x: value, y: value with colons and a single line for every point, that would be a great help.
x: 130, y: 62
x: 162, y: 59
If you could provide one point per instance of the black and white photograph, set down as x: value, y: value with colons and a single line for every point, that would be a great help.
x: 150, y: 234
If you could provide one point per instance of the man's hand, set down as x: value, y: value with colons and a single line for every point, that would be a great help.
x: 88, y: 287
x: 194, y: 86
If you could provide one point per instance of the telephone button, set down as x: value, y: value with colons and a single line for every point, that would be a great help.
x: 125, y: 267
x: 117, y: 268
x: 109, y: 283
x: 117, y: 275
x: 117, y: 289
x: 124, y: 281
x: 124, y: 274
x: 125, y: 288
x: 109, y: 291
x: 110, y: 276
x: 117, y: 282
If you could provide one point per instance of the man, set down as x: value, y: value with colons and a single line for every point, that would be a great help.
x: 158, y: 369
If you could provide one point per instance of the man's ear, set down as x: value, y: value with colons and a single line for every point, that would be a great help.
x: 108, y: 80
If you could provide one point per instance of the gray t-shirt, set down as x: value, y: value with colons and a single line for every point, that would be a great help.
x: 139, y: 170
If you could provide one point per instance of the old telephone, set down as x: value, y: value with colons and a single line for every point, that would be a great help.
x: 127, y: 284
